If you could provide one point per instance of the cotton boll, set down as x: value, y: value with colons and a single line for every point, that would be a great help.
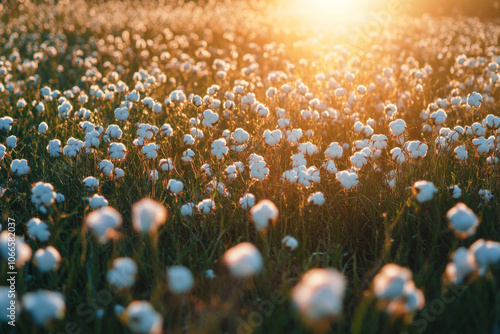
x: 482, y: 145
x: 240, y: 136
x: 38, y: 230
x: 19, y: 167
x: 175, y: 186
x: 187, y: 209
x: 219, y: 148
x: 455, y: 191
x: 485, y: 195
x: 486, y: 253
x: 416, y: 149
x: 390, y: 281
x: 424, y: 191
x: 123, y: 273
x: 6, y: 123
x: 148, y: 215
x: 259, y: 171
x: 461, y: 153
x: 142, y: 318
x: 463, y: 264
x: 272, y: 138
x: 150, y: 151
x: 438, y: 117
x: 210, y: 118
x: 23, y: 250
x: 119, y: 173
x: 44, y: 306
x: 319, y: 295
x: 90, y: 183
x: 397, y: 127
x: 290, y: 243
x: 47, y: 259
x: 347, y: 179
x: 166, y: 164
x: 308, y: 148
x: 42, y: 128
x: 187, y: 155
x: 103, y: 222
x: 97, y: 201
x: 180, y: 280
x: 263, y: 213
x: 317, y: 199
x: 243, y: 260
x: 474, y: 100
x: 462, y: 220
x: 11, y: 141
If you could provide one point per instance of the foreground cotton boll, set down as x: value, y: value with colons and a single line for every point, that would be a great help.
x: 142, y: 318
x: 424, y: 191
x: 463, y: 264
x: 219, y: 148
x: 486, y: 253
x: 397, y: 127
x: 243, y: 260
x: 44, y: 306
x: 148, y: 215
x: 319, y: 295
x: 23, y: 250
x: 54, y: 148
x: 394, y: 284
x: 103, y: 222
x: 123, y: 273
x: 19, y: 167
x: 290, y: 243
x: 347, y: 179
x: 317, y: 199
x: 117, y: 151
x: 106, y: 167
x: 38, y: 230
x: 206, y: 206
x: 462, y: 220
x: 43, y: 194
x: 180, y: 280
x: 247, y: 201
x: 175, y: 186
x: 263, y: 213
x: 47, y: 259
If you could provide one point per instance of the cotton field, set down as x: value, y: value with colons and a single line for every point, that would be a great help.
x: 248, y: 167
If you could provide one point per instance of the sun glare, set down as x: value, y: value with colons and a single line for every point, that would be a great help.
x: 327, y: 12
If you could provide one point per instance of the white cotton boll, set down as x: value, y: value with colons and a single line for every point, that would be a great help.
x: 259, y: 171
x: 298, y: 160
x: 44, y: 306
x: 102, y: 223
x: 491, y: 122
x: 317, y: 199
x: 243, y: 260
x: 180, y: 280
x: 3, y: 149
x: 206, y: 206
x: 187, y: 155
x: 283, y: 123
x: 117, y: 151
x: 91, y: 183
x: 150, y: 151
x: 47, y: 259
x: 339, y: 92
x: 42, y: 128
x: 19, y: 167
x: 219, y: 148
x: 106, y: 167
x: 38, y: 230
x: 209, y: 118
x: 319, y: 294
x: 166, y: 164
x: 290, y: 243
x: 143, y: 318
x: 424, y: 191
x: 389, y: 283
x: 187, y: 209
x: 290, y: 176
x: 197, y: 133
x: 308, y: 148
x: 477, y: 129
x: 397, y: 127
x: 92, y: 140
x: 334, y: 151
x: 398, y: 155
x: 121, y: 114
x: 462, y: 265
x: 188, y: 139
x: 492, y: 160
x: 461, y: 153
x: 263, y: 213
x: 455, y: 191
x: 148, y: 215
x: 474, y: 100
x: 330, y: 166
x: 462, y: 220
x: 485, y: 195
x: 43, y: 194
x: 231, y: 172
x: 123, y: 273
x: 481, y: 144
x: 240, y: 136
x: 175, y: 186
x: 11, y: 141
x: 293, y: 136
x: 272, y: 138
x: 416, y: 149
x: 358, y: 160
x: 23, y: 250
x: 379, y: 141
x: 438, y: 117
x: 6, y: 123
x: 166, y: 130
x: 247, y: 201
x: 486, y: 253
x: 347, y: 179
x: 97, y: 201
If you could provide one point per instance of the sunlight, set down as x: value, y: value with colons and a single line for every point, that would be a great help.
x: 324, y: 13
